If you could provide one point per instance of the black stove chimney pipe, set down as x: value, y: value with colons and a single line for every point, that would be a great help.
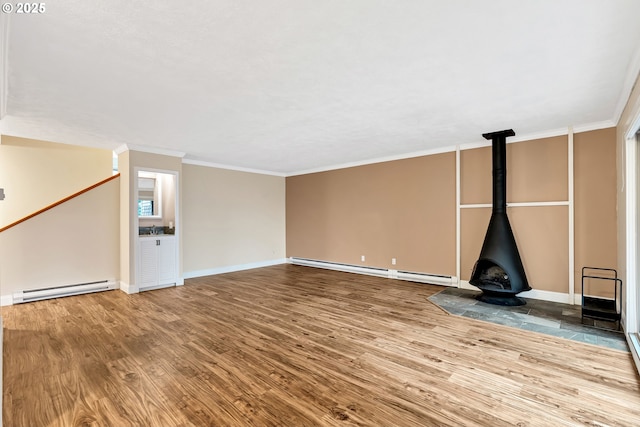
x: 499, y: 156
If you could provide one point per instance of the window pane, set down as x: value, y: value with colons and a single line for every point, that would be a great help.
x: 145, y: 207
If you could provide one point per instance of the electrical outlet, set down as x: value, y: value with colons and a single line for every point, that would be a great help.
x: 362, y: 258
x: 393, y: 261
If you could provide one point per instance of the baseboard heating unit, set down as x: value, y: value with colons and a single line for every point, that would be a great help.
x: 433, y: 279
x: 62, y: 291
x: 349, y: 268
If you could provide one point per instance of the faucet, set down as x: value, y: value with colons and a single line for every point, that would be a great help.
x: 153, y: 229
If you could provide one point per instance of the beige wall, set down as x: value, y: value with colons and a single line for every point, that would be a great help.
x: 75, y: 242
x: 595, y: 206
x: 36, y: 174
x: 231, y: 218
x: 404, y: 209
x: 169, y: 189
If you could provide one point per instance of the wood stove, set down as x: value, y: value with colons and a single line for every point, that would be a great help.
x: 499, y: 272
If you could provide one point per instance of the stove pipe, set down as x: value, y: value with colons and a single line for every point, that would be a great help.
x: 499, y: 272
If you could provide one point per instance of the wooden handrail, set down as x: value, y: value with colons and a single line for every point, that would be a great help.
x: 59, y: 202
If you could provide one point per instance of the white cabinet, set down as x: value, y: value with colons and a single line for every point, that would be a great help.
x: 157, y: 261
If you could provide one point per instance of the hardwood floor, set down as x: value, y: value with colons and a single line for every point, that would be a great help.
x: 297, y: 346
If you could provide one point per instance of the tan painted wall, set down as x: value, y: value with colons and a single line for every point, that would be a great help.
x: 231, y: 218
x: 595, y: 206
x: 404, y: 209
x: 542, y: 237
x: 536, y: 172
x: 75, y: 242
x: 36, y: 174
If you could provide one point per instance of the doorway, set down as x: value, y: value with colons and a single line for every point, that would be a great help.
x: 635, y: 337
x: 156, y: 228
x: 631, y: 187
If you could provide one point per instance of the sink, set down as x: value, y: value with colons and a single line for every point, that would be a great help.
x: 145, y: 231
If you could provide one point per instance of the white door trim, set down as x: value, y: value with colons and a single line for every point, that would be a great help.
x: 631, y: 320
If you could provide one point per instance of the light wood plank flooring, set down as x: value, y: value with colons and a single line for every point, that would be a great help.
x: 297, y: 346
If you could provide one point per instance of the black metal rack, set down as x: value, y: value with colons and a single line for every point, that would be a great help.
x: 602, y: 308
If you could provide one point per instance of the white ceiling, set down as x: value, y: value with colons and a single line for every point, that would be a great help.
x: 287, y: 86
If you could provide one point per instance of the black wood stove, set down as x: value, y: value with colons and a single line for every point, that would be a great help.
x: 499, y: 273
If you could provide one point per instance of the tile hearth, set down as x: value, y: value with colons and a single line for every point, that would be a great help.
x: 560, y: 320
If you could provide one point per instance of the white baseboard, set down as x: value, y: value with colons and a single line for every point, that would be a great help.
x: 128, y: 289
x: 548, y: 296
x: 232, y: 268
x: 153, y: 288
x: 347, y: 268
x: 6, y: 300
x: 537, y: 294
x: 132, y: 289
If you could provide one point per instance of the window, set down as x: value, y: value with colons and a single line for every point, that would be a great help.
x: 145, y: 207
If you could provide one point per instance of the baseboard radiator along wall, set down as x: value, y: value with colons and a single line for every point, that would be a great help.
x: 433, y: 279
x: 63, y: 291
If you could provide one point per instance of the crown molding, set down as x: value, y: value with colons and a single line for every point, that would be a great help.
x: 230, y: 167
x: 121, y: 149
x: 445, y: 149
x: 410, y: 155
x: 546, y: 134
x: 519, y: 138
x: 152, y: 150
x: 594, y: 126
